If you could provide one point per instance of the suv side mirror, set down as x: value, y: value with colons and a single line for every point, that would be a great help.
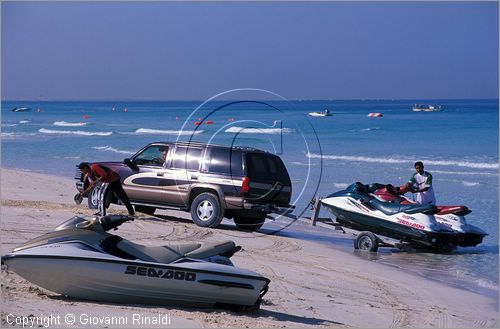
x: 129, y: 163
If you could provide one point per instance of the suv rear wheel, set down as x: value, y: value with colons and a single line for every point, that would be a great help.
x: 249, y: 223
x: 206, y: 210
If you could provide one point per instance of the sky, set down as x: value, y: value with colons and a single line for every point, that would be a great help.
x: 192, y: 51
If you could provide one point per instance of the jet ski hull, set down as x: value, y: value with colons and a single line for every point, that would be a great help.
x: 121, y: 281
x: 392, y: 229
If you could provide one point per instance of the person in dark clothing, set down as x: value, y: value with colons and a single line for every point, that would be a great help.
x: 110, y: 181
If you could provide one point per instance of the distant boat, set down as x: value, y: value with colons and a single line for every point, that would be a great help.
x: 426, y: 108
x: 21, y: 109
x: 325, y: 113
x: 375, y: 115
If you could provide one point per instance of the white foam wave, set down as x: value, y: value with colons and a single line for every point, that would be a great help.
x: 8, y: 134
x: 340, y: 185
x: 75, y: 132
x: 475, y: 165
x: 481, y: 173
x: 466, y: 183
x: 168, y: 132
x: 272, y: 131
x: 112, y: 149
x: 9, y: 124
x: 24, y: 121
x: 69, y: 124
x: 487, y: 284
x: 369, y: 129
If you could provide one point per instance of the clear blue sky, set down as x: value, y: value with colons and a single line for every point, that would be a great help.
x: 191, y: 51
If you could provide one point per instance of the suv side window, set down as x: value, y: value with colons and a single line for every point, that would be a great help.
x: 187, y: 158
x: 225, y: 161
x: 152, y: 156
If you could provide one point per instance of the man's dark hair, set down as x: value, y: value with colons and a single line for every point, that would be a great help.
x: 418, y: 163
x: 84, y: 165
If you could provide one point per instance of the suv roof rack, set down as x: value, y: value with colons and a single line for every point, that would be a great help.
x: 195, y: 143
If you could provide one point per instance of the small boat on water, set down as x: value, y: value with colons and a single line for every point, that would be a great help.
x: 427, y: 108
x: 325, y: 113
x: 21, y: 109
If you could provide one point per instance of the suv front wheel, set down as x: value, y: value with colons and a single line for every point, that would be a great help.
x: 206, y: 210
x: 93, y: 198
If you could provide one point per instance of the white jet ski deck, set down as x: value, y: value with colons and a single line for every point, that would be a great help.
x: 80, y: 259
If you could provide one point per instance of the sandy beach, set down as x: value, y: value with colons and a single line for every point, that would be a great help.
x: 312, y: 285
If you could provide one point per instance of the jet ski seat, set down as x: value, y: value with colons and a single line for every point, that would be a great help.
x: 394, y: 208
x: 172, y: 252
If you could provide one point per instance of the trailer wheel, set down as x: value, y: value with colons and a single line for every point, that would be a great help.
x: 366, y: 241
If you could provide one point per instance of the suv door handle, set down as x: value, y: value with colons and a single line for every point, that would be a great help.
x: 194, y: 176
x: 160, y: 174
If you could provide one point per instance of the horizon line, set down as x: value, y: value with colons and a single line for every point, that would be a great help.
x: 268, y: 100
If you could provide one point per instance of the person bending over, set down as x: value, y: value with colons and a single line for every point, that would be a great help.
x: 110, y: 181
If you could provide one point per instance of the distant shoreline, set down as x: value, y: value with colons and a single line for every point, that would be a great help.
x: 105, y: 100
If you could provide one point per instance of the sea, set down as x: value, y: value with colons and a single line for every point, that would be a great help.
x: 458, y: 145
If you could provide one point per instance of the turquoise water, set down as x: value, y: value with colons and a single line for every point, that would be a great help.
x: 459, y: 146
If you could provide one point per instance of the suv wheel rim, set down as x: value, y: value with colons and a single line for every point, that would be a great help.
x: 205, y: 210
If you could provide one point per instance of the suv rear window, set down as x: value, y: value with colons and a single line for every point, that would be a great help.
x: 266, y: 167
x: 225, y: 161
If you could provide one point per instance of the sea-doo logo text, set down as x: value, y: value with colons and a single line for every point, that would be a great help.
x: 157, y: 273
x: 414, y: 225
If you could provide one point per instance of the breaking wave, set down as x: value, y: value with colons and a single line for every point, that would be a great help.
x: 145, y: 131
x: 75, y: 132
x: 24, y: 121
x: 69, y: 124
x: 467, y: 164
x: 463, y: 173
x: 112, y: 149
x: 466, y: 183
x: 243, y: 130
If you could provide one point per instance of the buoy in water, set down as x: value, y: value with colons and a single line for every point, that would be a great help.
x: 209, y: 122
x: 125, y: 110
x: 86, y: 116
x: 197, y: 123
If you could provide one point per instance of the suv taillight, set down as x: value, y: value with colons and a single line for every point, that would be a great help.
x: 245, y: 185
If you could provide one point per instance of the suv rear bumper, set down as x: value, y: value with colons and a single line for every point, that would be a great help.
x: 268, y: 208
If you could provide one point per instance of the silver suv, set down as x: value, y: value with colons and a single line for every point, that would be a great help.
x: 209, y: 181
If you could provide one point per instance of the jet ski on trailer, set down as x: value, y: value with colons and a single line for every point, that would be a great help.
x: 415, y: 225
x: 81, y: 259
x: 468, y: 235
